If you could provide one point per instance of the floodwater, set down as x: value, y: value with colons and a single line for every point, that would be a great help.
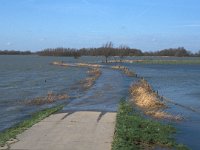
x: 181, y: 84
x: 111, y: 86
x: 25, y: 77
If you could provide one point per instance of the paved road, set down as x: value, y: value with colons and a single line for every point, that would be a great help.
x: 87, y: 123
x: 83, y: 130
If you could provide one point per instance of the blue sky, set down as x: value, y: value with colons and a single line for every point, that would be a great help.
x: 144, y: 24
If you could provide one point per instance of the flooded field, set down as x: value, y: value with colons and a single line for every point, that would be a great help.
x: 23, y: 78
x: 181, y: 84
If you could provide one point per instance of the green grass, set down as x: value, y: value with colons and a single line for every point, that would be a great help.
x: 133, y: 132
x: 195, y: 61
x: 22, y: 126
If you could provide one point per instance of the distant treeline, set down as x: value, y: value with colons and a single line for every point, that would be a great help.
x: 108, y: 50
x: 13, y: 52
x: 177, y: 52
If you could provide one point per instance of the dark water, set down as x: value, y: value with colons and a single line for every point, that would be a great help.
x: 105, y: 94
x: 180, y: 83
x: 23, y: 78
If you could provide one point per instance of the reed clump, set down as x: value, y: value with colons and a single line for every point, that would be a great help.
x: 87, y: 65
x: 125, y: 70
x: 60, y: 63
x: 50, y: 98
x: 148, y: 100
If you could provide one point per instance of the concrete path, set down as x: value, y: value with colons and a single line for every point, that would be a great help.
x: 82, y: 130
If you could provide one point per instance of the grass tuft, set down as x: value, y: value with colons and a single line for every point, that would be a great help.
x: 50, y: 98
x: 125, y: 70
x: 145, y: 98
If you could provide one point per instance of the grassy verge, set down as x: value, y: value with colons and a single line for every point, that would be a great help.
x: 22, y: 126
x: 133, y: 132
x: 158, y: 61
x: 195, y: 61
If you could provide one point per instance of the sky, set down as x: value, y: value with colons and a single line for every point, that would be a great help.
x: 148, y: 25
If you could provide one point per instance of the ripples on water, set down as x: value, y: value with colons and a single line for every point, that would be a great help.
x: 180, y: 83
x: 23, y: 78
x: 26, y: 77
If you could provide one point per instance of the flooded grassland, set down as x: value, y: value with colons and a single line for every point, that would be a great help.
x: 32, y: 83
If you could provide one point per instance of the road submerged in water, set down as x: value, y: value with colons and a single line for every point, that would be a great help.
x: 86, y: 122
x: 104, y: 95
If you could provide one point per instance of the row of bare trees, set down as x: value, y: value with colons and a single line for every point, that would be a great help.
x: 107, y: 50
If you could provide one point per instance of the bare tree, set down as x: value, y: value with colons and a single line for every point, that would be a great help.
x: 124, y: 51
x: 107, y: 50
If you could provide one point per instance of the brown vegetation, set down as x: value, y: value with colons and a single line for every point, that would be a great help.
x: 50, y: 98
x: 87, y: 65
x: 145, y: 98
x: 60, y: 63
x: 125, y: 70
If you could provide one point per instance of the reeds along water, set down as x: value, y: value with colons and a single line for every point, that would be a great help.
x: 94, y: 74
x: 148, y: 100
x: 50, y: 98
x: 125, y: 70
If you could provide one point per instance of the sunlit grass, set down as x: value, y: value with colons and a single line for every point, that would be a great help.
x: 195, y: 61
x: 134, y: 132
x: 159, y: 61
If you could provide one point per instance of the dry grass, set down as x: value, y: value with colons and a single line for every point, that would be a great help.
x: 163, y: 115
x: 87, y: 65
x: 50, y: 98
x: 125, y: 70
x: 145, y: 98
x: 60, y: 63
